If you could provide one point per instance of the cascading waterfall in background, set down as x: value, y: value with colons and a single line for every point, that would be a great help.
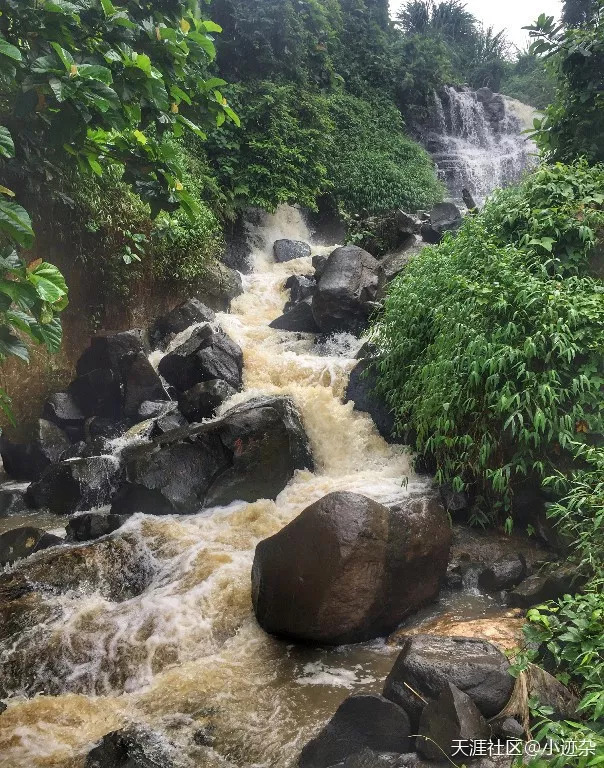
x: 476, y: 139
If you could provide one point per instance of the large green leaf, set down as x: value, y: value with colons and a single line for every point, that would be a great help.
x: 7, y: 146
x: 64, y: 55
x: 8, y: 50
x: 95, y: 72
x: 50, y: 334
x: 11, y: 345
x: 48, y: 281
x: 15, y: 223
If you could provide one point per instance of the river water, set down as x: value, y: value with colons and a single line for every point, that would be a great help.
x: 187, y: 653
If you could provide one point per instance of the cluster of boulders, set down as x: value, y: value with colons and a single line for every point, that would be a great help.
x: 141, y: 440
x: 444, y: 697
x: 343, y: 290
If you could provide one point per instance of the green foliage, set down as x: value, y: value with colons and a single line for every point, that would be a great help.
x: 488, y: 353
x: 373, y: 166
x: 279, y: 40
x: 281, y: 154
x: 573, y: 125
x: 423, y: 64
x: 530, y: 79
x: 103, y: 82
x: 579, y: 513
x: 566, y: 637
x: 476, y: 55
x: 556, y: 216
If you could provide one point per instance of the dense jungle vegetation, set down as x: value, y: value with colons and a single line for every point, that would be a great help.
x: 492, y: 350
x: 148, y: 126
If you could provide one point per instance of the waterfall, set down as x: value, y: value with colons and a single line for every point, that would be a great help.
x: 476, y: 139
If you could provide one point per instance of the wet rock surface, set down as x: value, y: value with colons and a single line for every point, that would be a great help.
x: 132, y: 747
x: 76, y: 485
x: 428, y: 663
x: 364, y: 721
x: 451, y: 718
x: 287, y: 250
x: 444, y: 217
x: 201, y: 401
x: 504, y: 573
x: 361, y: 390
x: 22, y: 542
x: 348, y: 569
x: 93, y: 525
x: 179, y: 319
x: 300, y: 287
x: 207, y: 355
x: 541, y: 587
x: 298, y: 318
x: 346, y: 291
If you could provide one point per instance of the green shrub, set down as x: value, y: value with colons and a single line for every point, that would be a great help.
x: 374, y: 166
x: 492, y: 359
x: 280, y: 155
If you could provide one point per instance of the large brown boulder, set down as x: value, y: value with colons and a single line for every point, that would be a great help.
x: 346, y: 291
x: 348, y: 569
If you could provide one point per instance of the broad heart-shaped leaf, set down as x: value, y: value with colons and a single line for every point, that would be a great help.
x: 7, y: 146
x: 15, y: 223
x: 48, y: 281
x: 95, y: 72
x: 50, y: 334
x: 8, y: 50
x: 22, y: 294
x: 11, y: 345
x: 10, y: 261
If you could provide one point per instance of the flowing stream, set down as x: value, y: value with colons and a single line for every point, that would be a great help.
x: 187, y: 653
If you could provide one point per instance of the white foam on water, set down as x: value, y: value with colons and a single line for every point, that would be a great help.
x: 189, y: 644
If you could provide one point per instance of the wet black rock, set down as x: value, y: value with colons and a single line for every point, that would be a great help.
x: 505, y: 573
x: 219, y: 286
x: 456, y: 502
x: 98, y: 393
x: 347, y: 290
x: 205, y: 356
x: 112, y: 351
x: 179, y: 319
x: 539, y: 588
x: 451, y: 718
x: 201, y: 401
x: 132, y: 747
x: 12, y: 498
x: 163, y: 415
x: 454, y: 578
x: 287, y: 250
x: 391, y: 266
x: 444, y: 217
x: 298, y: 318
x: 100, y: 430
x: 507, y: 729
x: 141, y: 383
x: 176, y: 477
x: 27, y: 461
x: 348, y: 569
x: 407, y: 223
x: 93, y: 525
x: 427, y: 663
x: 300, y: 287
x: 267, y: 444
x: 76, y: 485
x: 133, y: 498
x: 61, y: 409
x: 361, y: 390
x: 363, y: 721
x: 22, y: 542
x: 319, y: 262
